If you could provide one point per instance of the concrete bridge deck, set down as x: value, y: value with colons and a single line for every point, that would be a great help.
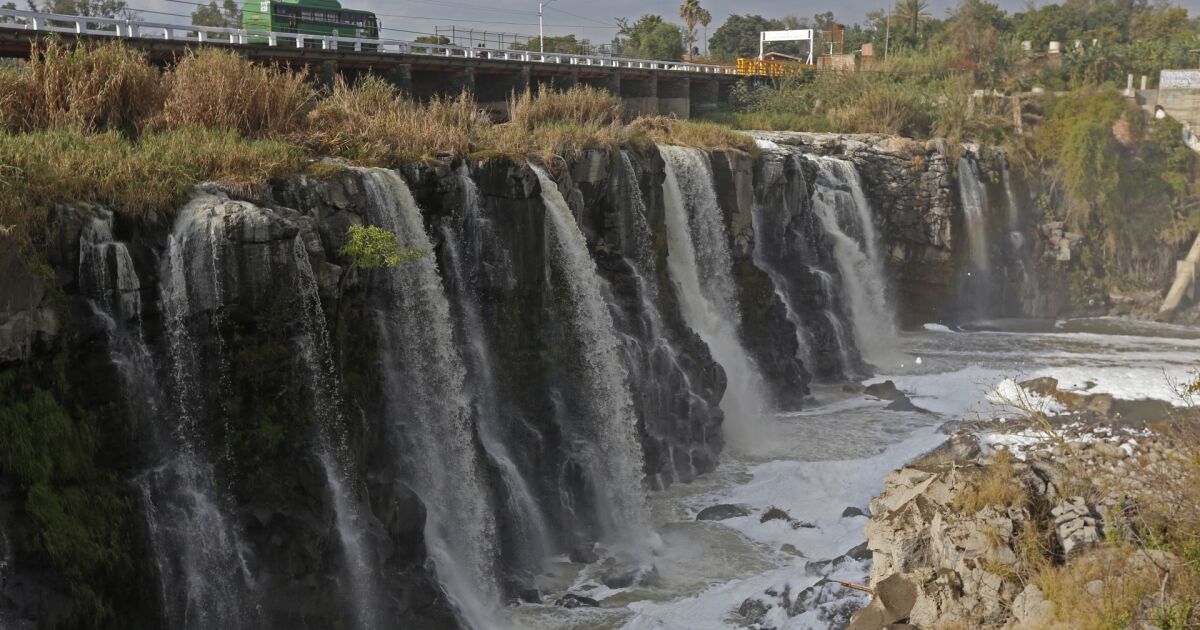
x: 648, y: 87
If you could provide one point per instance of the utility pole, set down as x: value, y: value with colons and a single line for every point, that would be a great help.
x: 541, y: 32
x: 887, y: 38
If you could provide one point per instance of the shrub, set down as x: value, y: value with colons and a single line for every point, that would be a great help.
x: 581, y: 105
x: 92, y: 87
x: 558, y: 123
x: 221, y: 90
x: 371, y: 247
x: 373, y: 124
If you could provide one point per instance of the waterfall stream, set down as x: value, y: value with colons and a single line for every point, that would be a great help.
x: 522, y: 508
x: 607, y: 440
x: 430, y: 407
x: 333, y: 450
x: 198, y: 551
x: 973, y: 196
x: 840, y: 204
x: 699, y: 248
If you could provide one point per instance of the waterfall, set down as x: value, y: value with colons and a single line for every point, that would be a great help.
x: 699, y: 248
x: 608, y: 438
x: 835, y: 324
x: 333, y: 451
x: 521, y: 508
x: 973, y: 195
x: 429, y: 407
x: 774, y: 235
x: 840, y: 204
x: 197, y: 550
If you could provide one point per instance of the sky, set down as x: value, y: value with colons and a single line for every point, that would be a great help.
x: 590, y: 19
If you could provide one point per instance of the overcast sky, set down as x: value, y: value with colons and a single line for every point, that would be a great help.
x: 405, y: 19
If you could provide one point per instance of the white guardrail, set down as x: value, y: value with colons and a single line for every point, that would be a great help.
x: 115, y: 27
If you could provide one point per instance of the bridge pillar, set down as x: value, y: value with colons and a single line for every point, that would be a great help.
x: 492, y: 91
x: 704, y: 96
x: 614, y: 83
x: 463, y: 81
x: 400, y: 77
x: 674, y: 97
x: 326, y: 75
x: 640, y: 95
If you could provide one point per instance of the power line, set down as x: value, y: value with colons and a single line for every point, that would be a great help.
x: 582, y: 17
x: 421, y: 17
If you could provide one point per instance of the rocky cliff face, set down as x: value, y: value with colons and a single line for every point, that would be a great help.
x: 220, y: 342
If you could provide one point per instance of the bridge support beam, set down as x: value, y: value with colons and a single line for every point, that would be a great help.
x: 674, y: 97
x: 704, y: 96
x: 640, y: 95
x: 400, y: 77
x: 326, y: 74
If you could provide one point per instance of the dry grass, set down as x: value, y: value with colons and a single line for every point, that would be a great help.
x: 91, y: 87
x: 566, y: 123
x: 148, y: 179
x: 698, y: 135
x: 373, y: 124
x: 222, y: 90
x: 996, y: 487
x: 1100, y: 590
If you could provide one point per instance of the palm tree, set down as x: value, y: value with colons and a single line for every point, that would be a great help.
x: 913, y: 13
x: 705, y: 20
x: 689, y: 12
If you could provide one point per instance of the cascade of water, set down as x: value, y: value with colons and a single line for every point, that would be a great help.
x: 762, y: 226
x: 333, y: 451
x: 973, y: 196
x: 839, y: 203
x: 430, y: 408
x: 1013, y: 210
x: 198, y: 552
x: 699, y: 249
x: 522, y: 507
x: 637, y: 229
x: 608, y: 437
x: 839, y: 331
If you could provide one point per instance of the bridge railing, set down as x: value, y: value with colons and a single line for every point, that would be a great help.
x: 121, y: 28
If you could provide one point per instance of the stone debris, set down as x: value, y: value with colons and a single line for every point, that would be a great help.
x: 1075, y: 525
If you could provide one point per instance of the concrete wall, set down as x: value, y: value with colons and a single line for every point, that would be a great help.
x: 674, y: 97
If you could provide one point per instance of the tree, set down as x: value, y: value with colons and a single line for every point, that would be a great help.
x: 440, y: 40
x: 690, y: 13
x: 913, y: 14
x: 92, y: 8
x: 559, y: 44
x: 739, y: 35
x: 823, y: 21
x: 230, y: 16
x: 650, y: 38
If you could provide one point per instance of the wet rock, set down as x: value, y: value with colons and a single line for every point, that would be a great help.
x: 1042, y: 386
x: 886, y: 390
x: 721, y: 512
x: 832, y: 603
x: 530, y: 595
x: 753, y: 610
x: 853, y: 388
x: 961, y: 446
x: 852, y: 512
x: 574, y: 600
x: 860, y: 552
x: 582, y: 554
x: 619, y: 577
x: 903, y: 404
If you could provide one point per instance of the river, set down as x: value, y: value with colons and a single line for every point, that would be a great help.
x: 834, y: 455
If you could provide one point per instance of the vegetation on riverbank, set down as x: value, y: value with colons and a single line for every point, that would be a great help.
x: 100, y: 124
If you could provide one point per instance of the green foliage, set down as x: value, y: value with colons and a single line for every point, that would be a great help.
x: 738, y: 36
x: 229, y: 15
x: 371, y: 247
x: 650, y: 38
x: 559, y: 44
x: 1088, y: 160
x: 79, y: 507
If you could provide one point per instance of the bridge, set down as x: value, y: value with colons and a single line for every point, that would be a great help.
x: 647, y: 87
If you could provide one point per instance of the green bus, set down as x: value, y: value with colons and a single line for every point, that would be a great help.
x: 308, y: 17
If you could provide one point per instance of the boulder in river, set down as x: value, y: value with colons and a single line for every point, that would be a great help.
x: 721, y: 512
x: 573, y: 600
x: 886, y: 390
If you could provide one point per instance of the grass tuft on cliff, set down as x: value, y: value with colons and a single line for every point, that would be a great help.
x: 148, y: 178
